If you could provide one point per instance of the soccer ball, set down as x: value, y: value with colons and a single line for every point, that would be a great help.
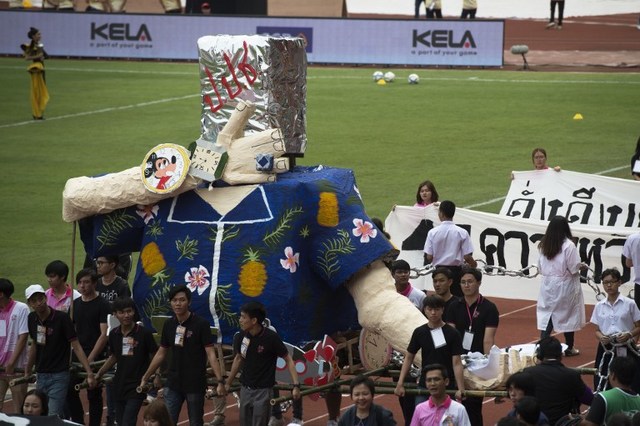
x: 413, y: 79
x: 377, y: 75
x: 389, y: 76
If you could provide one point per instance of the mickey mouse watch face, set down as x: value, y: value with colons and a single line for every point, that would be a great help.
x: 375, y: 351
x: 164, y: 168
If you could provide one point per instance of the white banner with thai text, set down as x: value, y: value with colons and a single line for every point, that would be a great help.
x: 584, y: 199
x: 505, y: 241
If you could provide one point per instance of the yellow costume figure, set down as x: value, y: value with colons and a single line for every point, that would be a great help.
x: 39, y: 93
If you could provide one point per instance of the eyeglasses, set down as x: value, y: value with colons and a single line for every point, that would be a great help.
x: 609, y: 282
x: 467, y: 282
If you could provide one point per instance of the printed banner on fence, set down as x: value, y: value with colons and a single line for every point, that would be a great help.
x: 585, y: 199
x: 505, y: 241
x: 348, y: 41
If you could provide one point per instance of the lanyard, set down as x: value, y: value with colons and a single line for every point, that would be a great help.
x: 475, y: 310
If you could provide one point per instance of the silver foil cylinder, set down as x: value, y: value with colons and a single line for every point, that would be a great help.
x: 271, y: 72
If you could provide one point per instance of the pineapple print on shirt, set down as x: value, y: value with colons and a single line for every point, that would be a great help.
x: 291, y: 244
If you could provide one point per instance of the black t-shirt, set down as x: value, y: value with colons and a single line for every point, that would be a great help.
x: 118, y: 288
x: 480, y: 315
x: 188, y: 363
x: 133, y: 361
x: 87, y: 317
x: 53, y: 356
x: 558, y: 388
x: 422, y: 341
x: 260, y: 354
x: 445, y: 314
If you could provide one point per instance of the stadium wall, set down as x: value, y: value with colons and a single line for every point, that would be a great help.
x: 331, y: 41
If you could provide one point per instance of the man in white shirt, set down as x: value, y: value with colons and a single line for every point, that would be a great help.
x: 631, y: 253
x: 449, y: 245
x: 617, y: 320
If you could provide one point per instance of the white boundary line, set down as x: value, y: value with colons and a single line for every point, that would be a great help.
x: 100, y: 111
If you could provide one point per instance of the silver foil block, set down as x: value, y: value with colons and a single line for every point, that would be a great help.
x: 270, y: 72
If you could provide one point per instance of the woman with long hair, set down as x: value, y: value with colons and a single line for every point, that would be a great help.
x: 36, y: 403
x: 34, y: 52
x: 560, y: 301
x: 426, y: 194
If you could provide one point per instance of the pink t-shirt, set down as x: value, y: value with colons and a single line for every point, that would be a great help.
x: 13, y: 323
x: 63, y: 303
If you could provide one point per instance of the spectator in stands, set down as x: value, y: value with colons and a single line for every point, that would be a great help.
x: 559, y: 389
x: 560, y: 301
x: 434, y: 9
x: 364, y: 411
x: 417, y: 10
x: 440, y: 409
x: 34, y: 52
x: 171, y: 6
x: 617, y: 321
x: 97, y: 6
x: 449, y: 245
x: 13, y: 341
x: 36, y: 403
x: 469, y: 9
x: 631, y: 254
x: 635, y: 159
x: 620, y: 398
x: 552, y: 22
x: 426, y: 194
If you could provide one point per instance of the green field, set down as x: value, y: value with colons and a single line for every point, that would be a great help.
x: 466, y: 130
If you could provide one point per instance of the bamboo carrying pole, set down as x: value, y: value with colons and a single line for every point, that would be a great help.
x: 308, y: 390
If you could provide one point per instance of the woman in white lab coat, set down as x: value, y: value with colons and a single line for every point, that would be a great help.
x: 560, y: 302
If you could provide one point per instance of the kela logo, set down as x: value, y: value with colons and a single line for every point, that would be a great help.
x: 120, y: 32
x: 443, y: 39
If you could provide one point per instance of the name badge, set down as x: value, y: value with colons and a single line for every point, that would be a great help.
x: 244, y: 346
x: 127, y: 346
x: 41, y: 335
x: 621, y: 351
x: 467, y: 340
x: 180, y: 331
x: 438, y: 338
